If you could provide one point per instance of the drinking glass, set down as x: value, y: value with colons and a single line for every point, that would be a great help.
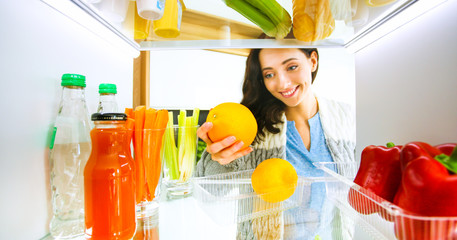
x: 179, y: 160
x: 147, y: 145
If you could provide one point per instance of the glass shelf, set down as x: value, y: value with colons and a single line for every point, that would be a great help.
x: 210, y: 24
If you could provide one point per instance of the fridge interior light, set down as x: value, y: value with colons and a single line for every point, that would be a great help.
x: 391, y: 24
x: 79, y: 15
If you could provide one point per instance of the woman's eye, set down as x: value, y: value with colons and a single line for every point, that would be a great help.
x: 293, y: 67
x: 268, y: 75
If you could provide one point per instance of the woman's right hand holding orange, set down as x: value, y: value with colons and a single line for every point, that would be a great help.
x: 224, y: 151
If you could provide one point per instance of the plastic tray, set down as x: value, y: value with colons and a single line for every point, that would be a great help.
x: 378, y: 217
x: 229, y: 198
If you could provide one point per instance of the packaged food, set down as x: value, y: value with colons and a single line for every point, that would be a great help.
x: 312, y: 20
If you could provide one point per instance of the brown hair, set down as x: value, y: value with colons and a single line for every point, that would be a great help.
x: 267, y: 109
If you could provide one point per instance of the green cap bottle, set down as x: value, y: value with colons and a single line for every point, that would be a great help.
x: 107, y: 88
x: 70, y: 79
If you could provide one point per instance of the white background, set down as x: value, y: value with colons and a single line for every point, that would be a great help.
x: 199, y: 78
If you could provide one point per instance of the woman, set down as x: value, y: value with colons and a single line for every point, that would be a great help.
x: 293, y: 123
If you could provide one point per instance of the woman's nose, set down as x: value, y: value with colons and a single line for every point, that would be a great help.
x: 283, y: 80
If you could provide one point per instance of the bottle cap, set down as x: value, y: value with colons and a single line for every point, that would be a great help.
x: 109, y: 117
x: 69, y: 79
x: 107, y: 88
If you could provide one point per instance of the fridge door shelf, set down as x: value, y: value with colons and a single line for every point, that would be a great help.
x: 378, y: 217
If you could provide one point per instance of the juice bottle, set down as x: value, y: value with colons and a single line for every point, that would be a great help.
x: 109, y: 180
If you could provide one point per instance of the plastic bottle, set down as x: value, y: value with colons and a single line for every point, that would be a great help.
x: 69, y: 150
x: 107, y: 102
x: 109, y: 180
x: 150, y: 9
x: 169, y: 25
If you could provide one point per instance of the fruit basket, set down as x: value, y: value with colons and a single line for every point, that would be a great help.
x: 377, y: 217
x: 229, y: 198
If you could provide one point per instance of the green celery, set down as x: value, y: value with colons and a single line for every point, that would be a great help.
x: 171, y: 151
x: 181, y: 157
x: 189, y: 147
x: 181, y: 138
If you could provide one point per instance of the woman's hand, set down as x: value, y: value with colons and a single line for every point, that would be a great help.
x: 224, y: 151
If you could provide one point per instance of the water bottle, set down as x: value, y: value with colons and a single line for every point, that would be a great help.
x: 69, y: 151
x: 107, y: 102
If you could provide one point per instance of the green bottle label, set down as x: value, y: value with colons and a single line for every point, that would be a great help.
x: 53, y: 138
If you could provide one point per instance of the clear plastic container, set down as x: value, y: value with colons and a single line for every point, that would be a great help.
x: 114, y: 10
x: 229, y: 198
x: 378, y: 217
x: 150, y: 9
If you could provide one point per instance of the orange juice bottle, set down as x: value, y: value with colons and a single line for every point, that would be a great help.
x: 109, y: 180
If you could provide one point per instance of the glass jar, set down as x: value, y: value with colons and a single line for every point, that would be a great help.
x: 109, y: 180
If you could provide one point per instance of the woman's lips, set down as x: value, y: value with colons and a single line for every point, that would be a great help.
x: 289, y: 93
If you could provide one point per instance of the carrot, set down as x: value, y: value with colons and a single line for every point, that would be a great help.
x: 129, y: 112
x: 160, y: 124
x: 138, y: 144
x: 150, y: 126
x: 148, y: 138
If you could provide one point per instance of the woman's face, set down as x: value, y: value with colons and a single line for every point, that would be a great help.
x: 287, y: 74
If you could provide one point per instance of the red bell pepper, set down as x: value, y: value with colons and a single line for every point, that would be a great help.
x: 428, y: 189
x: 379, y: 175
x: 414, y: 150
x: 446, y: 148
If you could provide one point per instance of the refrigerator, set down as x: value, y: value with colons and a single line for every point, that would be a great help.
x: 403, y: 90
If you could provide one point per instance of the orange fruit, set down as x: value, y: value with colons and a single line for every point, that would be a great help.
x: 274, y: 180
x: 232, y: 119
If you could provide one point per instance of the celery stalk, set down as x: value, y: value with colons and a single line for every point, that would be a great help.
x: 171, y: 152
x: 181, y: 138
x: 181, y: 157
x: 190, y: 146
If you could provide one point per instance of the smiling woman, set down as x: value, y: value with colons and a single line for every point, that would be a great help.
x: 294, y: 123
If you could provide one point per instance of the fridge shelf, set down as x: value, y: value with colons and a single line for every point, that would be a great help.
x: 211, y: 25
x: 378, y: 217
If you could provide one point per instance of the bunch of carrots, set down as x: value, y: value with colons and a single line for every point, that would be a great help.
x: 149, y: 128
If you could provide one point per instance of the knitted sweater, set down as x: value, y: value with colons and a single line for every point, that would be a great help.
x: 338, y: 124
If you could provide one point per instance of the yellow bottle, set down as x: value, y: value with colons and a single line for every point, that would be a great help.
x: 170, y: 24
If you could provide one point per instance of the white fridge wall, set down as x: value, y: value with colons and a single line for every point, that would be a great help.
x: 406, y: 83
x: 38, y: 45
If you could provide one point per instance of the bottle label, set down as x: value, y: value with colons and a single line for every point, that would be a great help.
x: 160, y: 4
x: 53, y: 138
